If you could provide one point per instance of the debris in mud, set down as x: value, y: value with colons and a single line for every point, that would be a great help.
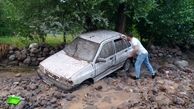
x: 18, y: 75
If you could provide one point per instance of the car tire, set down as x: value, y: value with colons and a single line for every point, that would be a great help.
x: 86, y: 83
x: 126, y: 66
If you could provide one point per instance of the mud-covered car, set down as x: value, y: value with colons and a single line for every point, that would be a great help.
x: 90, y: 57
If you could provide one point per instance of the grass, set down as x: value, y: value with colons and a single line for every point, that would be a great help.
x: 23, y: 41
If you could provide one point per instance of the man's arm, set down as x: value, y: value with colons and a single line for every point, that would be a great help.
x: 134, y: 51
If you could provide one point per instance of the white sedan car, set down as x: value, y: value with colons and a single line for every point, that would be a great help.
x: 90, y: 57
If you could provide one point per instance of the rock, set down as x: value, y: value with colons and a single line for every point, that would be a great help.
x: 188, y: 70
x: 163, y: 100
x: 107, y: 99
x: 21, y: 105
x: 63, y: 103
x: 34, y: 50
x: 58, y: 95
x: 36, y: 63
x: 178, y: 101
x: 14, y: 63
x: 53, y: 100
x: 41, y: 58
x: 42, y: 102
x: 22, y: 64
x: 98, y: 88
x: 42, y: 45
x: 18, y: 75
x: 69, y: 97
x: 91, y: 107
x: 17, y: 53
x: 37, y: 91
x: 51, y: 52
x: 45, y: 50
x: 20, y: 56
x: 24, y: 51
x: 98, y: 95
x: 27, y: 61
x: 54, y: 106
x: 12, y: 57
x: 119, y: 87
x: 12, y: 48
x: 162, y: 88
x: 33, y: 86
x: 160, y: 54
x: 11, y: 51
x: 172, y: 66
x: 169, y: 56
x: 33, y: 45
x: 179, y: 53
x: 44, y: 54
x: 152, y: 47
x: 124, y: 105
x: 168, y: 86
x: 32, y: 55
x: 16, y: 83
x: 109, y: 81
x: 33, y: 59
x: 182, y: 64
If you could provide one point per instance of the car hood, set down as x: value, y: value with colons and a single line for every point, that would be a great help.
x: 62, y: 65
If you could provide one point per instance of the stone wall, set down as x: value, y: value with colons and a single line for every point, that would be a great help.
x: 30, y: 56
x: 156, y: 52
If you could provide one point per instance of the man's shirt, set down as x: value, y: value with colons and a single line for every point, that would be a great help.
x: 136, y: 43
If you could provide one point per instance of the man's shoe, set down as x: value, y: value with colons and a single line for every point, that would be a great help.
x: 135, y: 78
x: 153, y: 76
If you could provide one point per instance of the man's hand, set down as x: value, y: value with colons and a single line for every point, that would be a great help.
x: 123, y: 37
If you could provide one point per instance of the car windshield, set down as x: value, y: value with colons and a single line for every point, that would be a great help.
x: 82, y: 49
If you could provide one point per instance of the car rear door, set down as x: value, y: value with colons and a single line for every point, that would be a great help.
x: 107, y: 52
x: 122, y: 50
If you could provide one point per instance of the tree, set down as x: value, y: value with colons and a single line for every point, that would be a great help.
x: 172, y: 22
x: 9, y: 17
x: 158, y: 21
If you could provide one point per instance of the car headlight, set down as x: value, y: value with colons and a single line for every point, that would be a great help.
x: 64, y: 80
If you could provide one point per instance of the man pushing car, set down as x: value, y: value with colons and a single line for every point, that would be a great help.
x: 142, y: 56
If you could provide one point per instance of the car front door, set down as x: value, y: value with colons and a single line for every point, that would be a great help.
x: 107, y: 53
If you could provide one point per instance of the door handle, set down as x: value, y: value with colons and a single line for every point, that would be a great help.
x: 111, y: 58
x: 126, y: 50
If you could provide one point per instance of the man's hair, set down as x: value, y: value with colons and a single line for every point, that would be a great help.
x: 129, y: 34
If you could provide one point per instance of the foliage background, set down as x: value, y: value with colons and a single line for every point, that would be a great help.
x: 159, y: 22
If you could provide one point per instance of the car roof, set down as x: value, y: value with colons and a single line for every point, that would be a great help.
x: 99, y: 35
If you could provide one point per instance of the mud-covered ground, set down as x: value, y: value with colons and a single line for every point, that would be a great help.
x: 173, y: 88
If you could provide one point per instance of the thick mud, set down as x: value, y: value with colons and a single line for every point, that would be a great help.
x: 173, y: 88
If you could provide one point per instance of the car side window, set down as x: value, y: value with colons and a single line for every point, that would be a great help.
x: 107, y: 50
x: 121, y: 44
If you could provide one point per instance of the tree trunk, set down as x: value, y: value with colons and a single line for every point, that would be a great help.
x: 89, y: 26
x: 64, y: 37
x: 121, y: 19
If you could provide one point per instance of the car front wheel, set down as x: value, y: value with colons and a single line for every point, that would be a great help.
x: 126, y: 66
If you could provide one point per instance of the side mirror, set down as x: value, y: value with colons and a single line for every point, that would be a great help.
x: 100, y: 60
